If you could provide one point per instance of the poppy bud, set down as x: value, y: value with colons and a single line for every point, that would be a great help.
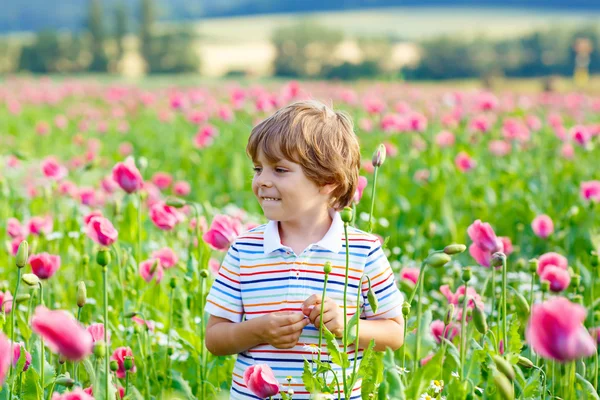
x: 521, y: 302
x: 65, y: 381
x: 204, y: 273
x: 504, y: 366
x: 373, y: 302
x: 545, y: 286
x: 175, y: 202
x: 327, y: 267
x: 505, y: 388
x: 533, y: 265
x: 525, y: 362
x: 466, y: 275
x: 595, y: 261
x: 22, y: 254
x: 170, y: 351
x: 173, y: 283
x: 453, y: 249
x: 479, y: 320
x: 575, y: 281
x: 498, y: 259
x: 128, y: 362
x: 31, y: 279
x: 437, y: 260
x: 103, y: 257
x: 22, y: 298
x: 405, y: 308
x: 379, y: 156
x: 521, y: 263
x: 81, y: 294
x: 449, y: 314
x: 100, y: 349
x: 346, y: 214
x: 114, y: 366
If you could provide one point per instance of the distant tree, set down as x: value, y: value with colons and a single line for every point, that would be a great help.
x: 120, y: 27
x: 43, y: 55
x: 173, y: 52
x: 95, y: 26
x: 304, y: 49
x: 147, y: 15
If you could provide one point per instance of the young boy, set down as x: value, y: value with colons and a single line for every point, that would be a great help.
x: 265, y: 303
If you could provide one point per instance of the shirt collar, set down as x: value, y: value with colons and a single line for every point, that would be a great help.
x: 331, y: 241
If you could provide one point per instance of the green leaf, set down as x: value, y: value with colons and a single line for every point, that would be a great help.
x: 99, y: 388
x: 337, y: 357
x: 32, y: 390
x: 350, y: 333
x: 532, y: 389
x: 587, y: 387
x: 23, y: 327
x: 308, y: 378
x: 89, y: 369
x: 22, y: 360
x: 373, y: 302
x: 180, y: 384
x: 515, y: 344
x: 424, y: 375
x: 371, y: 370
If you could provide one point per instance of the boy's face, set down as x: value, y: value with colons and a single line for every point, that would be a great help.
x: 284, y: 191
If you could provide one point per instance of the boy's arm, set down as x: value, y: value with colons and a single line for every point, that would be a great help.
x: 386, y: 332
x: 224, y: 337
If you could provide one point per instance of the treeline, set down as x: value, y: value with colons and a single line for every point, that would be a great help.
x: 103, y: 47
x: 307, y: 51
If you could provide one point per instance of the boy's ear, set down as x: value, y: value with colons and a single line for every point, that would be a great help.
x: 328, y: 188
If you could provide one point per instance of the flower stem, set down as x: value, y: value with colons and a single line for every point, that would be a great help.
x: 463, y: 334
x: 357, y: 328
x: 168, y: 358
x: 419, y: 312
x: 42, y: 356
x: 139, y: 228
x: 12, y: 324
x: 345, y: 307
x: 126, y: 382
x: 321, y: 317
x: 373, y: 199
x: 106, y: 367
x: 504, y: 315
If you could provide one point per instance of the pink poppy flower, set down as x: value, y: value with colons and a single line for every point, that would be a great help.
x: 555, y: 330
x: 44, y: 265
x: 14, y: 228
x: 558, y: 278
x: 362, y: 184
x: 484, y: 236
x: 17, y: 349
x: 162, y: 180
x: 261, y: 381
x: 127, y: 176
x: 5, y: 357
x: 119, y: 356
x: 6, y: 301
x: 410, y: 274
x: 551, y: 258
x: 62, y: 333
x: 438, y: 329
x: 181, y: 188
x: 165, y: 217
x: 96, y: 331
x: 38, y: 225
x: 222, y: 232
x: 166, y: 256
x: 464, y: 162
x: 590, y: 191
x: 52, y: 169
x: 151, y: 269
x: 542, y: 226
x: 101, y: 231
x: 445, y: 139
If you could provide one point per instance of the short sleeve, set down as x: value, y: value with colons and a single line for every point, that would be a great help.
x: 225, y: 297
x: 389, y: 298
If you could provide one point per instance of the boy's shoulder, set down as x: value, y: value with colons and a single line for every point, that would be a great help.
x: 366, y: 238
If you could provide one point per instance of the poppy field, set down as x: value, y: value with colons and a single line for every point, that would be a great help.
x: 118, y: 203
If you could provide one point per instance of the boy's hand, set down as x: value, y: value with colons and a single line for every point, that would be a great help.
x: 282, y: 329
x: 333, y: 315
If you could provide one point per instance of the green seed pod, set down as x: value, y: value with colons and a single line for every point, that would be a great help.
x: 203, y: 273
x: 437, y: 260
x: 480, y: 320
x: 175, y: 202
x: 65, y: 381
x: 504, y: 366
x: 22, y: 254
x: 453, y: 249
x: 504, y: 386
x: 466, y: 274
x: 521, y: 263
x: 170, y: 351
x: 525, y: 362
x: 449, y: 315
x: 545, y: 286
x: 521, y: 302
x: 103, y: 257
x: 373, y: 302
x: 31, y: 280
x: 81, y: 294
x: 100, y: 349
x: 533, y: 265
x: 327, y: 267
x: 575, y: 281
x: 62, y: 359
x: 595, y: 260
x: 498, y: 259
x: 173, y: 283
x: 405, y: 308
x: 346, y: 214
x: 128, y: 362
x: 114, y: 366
x: 21, y: 298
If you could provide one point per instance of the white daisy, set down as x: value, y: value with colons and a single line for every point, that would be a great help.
x: 455, y: 374
x: 402, y: 370
x: 436, y: 386
x: 313, y: 348
x: 425, y: 396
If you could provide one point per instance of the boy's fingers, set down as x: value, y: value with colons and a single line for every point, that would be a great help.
x: 289, y: 318
x: 327, y: 317
x: 294, y: 328
x: 312, y: 300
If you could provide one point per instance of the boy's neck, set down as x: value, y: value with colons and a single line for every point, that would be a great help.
x: 304, y: 230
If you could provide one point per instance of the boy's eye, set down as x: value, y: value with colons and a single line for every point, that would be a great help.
x: 257, y: 169
x: 280, y: 170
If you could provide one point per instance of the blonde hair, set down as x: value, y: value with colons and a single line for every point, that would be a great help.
x: 318, y: 138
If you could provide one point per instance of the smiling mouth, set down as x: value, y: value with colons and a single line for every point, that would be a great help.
x: 271, y: 199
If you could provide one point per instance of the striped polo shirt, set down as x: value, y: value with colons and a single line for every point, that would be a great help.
x: 259, y: 275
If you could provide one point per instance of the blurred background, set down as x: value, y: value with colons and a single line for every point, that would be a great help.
x: 425, y: 40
